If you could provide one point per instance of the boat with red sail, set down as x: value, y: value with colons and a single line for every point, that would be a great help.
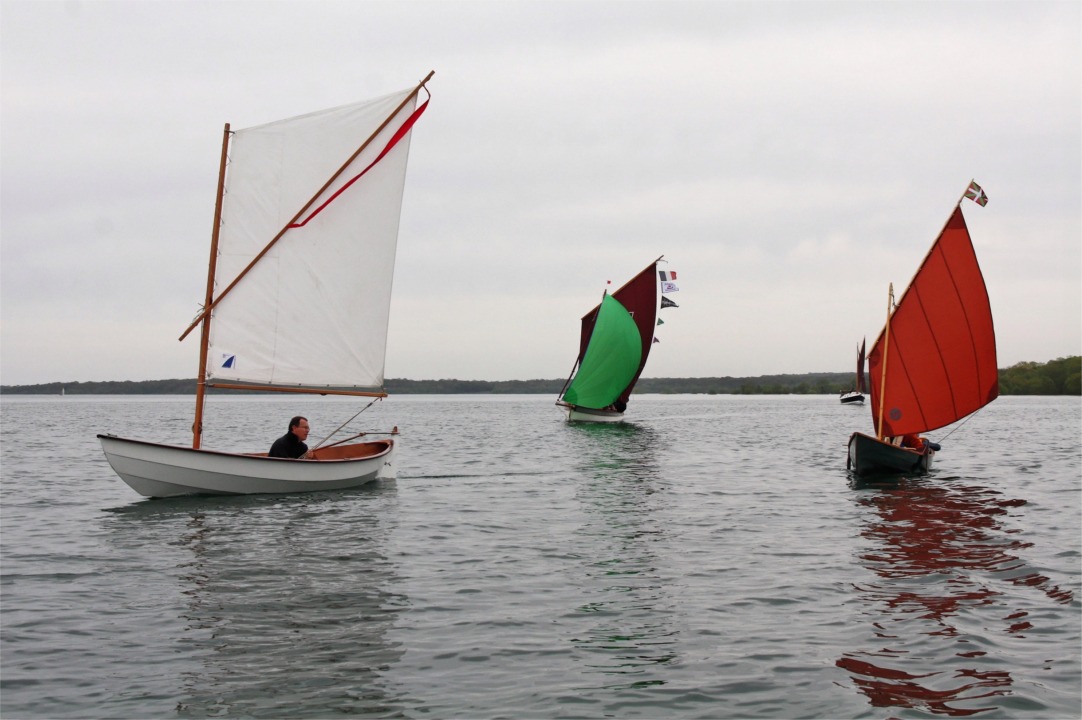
x: 934, y: 363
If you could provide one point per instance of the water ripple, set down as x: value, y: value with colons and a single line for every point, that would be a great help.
x: 709, y: 559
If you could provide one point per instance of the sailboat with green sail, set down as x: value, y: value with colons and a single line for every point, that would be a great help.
x: 615, y: 341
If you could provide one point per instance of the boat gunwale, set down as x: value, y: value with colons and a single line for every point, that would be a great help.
x: 388, y: 447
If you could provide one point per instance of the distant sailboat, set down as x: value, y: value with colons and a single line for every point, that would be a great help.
x: 305, y: 231
x: 615, y: 342
x: 856, y: 395
x: 934, y: 363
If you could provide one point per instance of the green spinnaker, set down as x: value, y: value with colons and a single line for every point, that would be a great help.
x: 611, y: 360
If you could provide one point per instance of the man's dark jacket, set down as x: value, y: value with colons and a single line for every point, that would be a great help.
x: 288, y: 446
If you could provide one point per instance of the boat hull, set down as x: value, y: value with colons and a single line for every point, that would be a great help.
x: 870, y: 456
x: 852, y: 398
x: 156, y: 470
x: 584, y: 414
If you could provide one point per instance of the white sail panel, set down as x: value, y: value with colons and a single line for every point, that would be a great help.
x: 313, y: 312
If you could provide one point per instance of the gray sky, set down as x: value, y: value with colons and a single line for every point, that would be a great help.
x: 790, y: 160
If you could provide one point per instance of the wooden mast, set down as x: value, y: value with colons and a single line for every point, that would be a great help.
x: 204, y: 338
x: 883, y: 370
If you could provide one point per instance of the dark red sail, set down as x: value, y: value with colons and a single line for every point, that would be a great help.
x: 940, y: 359
x: 860, y: 369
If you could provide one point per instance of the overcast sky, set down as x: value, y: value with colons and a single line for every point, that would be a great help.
x: 789, y: 160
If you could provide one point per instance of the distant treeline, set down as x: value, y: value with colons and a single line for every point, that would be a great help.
x: 1056, y: 377
x: 1062, y: 376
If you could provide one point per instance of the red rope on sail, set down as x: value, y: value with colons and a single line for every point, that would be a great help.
x: 399, y: 134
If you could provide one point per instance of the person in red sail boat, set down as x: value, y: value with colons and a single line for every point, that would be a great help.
x: 912, y: 441
x: 291, y: 445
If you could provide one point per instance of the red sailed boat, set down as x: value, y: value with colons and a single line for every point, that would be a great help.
x: 934, y: 363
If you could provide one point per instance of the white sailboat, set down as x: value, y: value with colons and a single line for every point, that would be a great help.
x: 298, y: 293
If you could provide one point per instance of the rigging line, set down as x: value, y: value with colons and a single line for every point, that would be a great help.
x: 961, y: 424
x: 347, y: 422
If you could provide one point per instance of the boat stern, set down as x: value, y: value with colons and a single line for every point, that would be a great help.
x: 389, y: 470
x: 871, y: 456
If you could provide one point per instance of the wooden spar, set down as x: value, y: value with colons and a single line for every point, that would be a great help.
x: 883, y: 370
x: 212, y: 303
x: 306, y: 390
x: 886, y: 330
x: 204, y: 338
x: 659, y: 259
x: 935, y: 242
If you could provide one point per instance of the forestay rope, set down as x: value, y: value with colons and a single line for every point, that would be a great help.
x: 347, y: 422
x: 959, y: 425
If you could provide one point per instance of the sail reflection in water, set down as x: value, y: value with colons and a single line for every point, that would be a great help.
x: 624, y: 622
x: 938, y: 551
x: 275, y: 616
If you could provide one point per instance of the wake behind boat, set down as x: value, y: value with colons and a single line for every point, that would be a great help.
x: 615, y: 341
x: 934, y: 363
x: 305, y: 230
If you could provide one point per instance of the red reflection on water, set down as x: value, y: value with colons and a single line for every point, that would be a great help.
x: 886, y: 687
x: 936, y: 549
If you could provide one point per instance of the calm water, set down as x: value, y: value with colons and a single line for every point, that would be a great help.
x: 710, y: 560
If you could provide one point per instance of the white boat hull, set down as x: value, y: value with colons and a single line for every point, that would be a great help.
x: 582, y: 414
x: 156, y: 470
x: 851, y: 398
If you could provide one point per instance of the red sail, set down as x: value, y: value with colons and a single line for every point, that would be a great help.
x: 639, y: 296
x: 941, y: 354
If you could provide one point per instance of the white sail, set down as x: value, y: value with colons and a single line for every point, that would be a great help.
x: 313, y: 312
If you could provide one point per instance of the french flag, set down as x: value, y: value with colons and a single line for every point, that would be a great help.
x: 666, y: 275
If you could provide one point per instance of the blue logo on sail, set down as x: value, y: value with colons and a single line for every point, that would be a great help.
x: 228, y: 361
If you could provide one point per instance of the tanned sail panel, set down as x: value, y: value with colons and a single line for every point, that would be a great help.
x: 941, y: 353
x: 639, y: 296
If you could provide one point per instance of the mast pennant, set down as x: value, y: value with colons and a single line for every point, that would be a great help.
x: 976, y: 194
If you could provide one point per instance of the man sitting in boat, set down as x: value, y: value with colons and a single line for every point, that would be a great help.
x: 291, y: 445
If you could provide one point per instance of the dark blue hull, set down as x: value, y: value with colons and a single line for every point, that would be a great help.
x: 870, y: 456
